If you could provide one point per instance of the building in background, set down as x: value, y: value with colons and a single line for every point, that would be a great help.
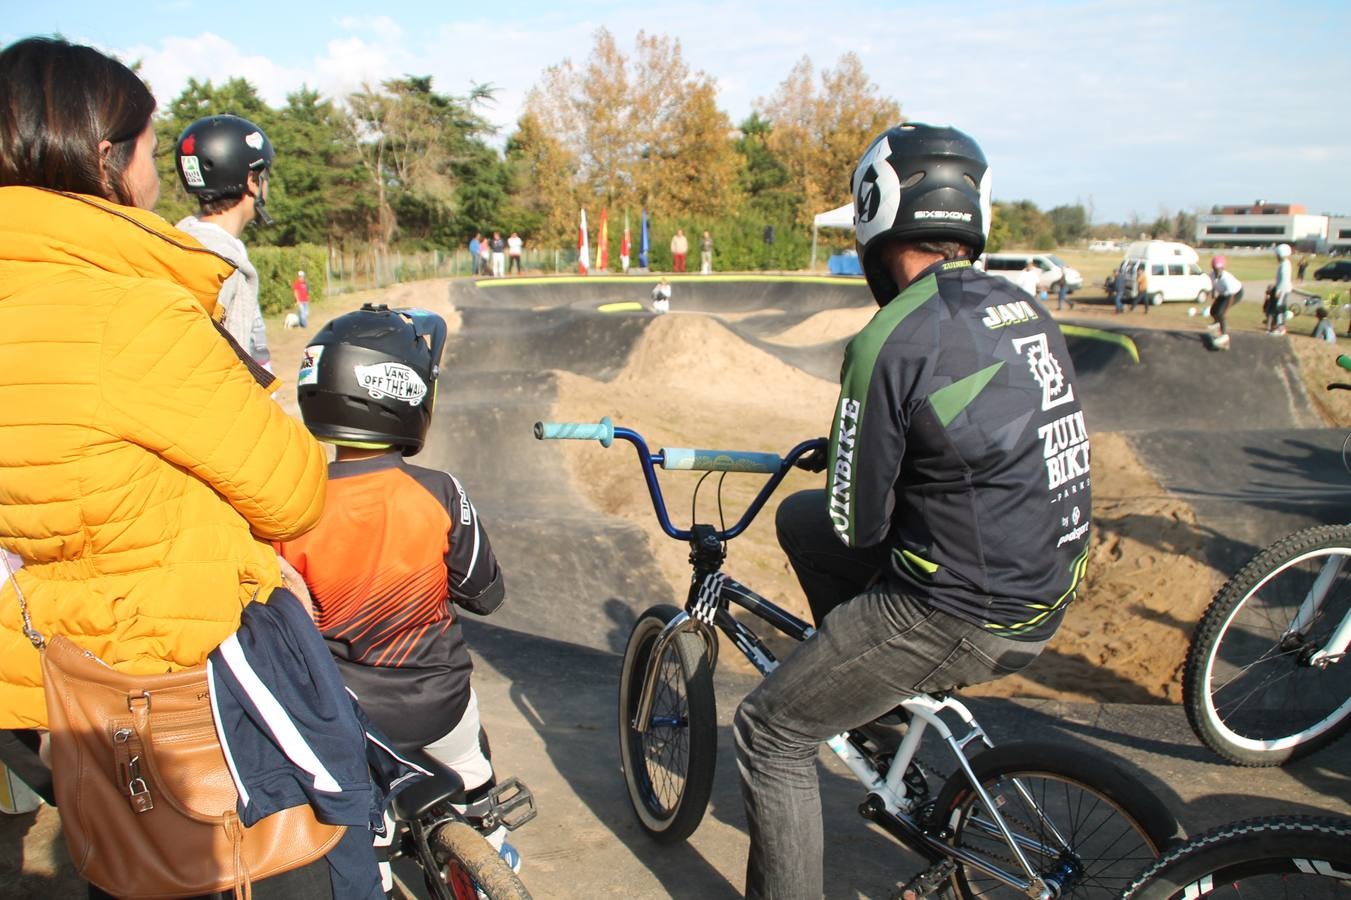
x: 1263, y: 224
x: 1339, y: 234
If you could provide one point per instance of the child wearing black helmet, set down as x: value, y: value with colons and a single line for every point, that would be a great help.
x: 399, y: 546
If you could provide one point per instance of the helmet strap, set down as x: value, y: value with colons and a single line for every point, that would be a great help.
x: 259, y: 204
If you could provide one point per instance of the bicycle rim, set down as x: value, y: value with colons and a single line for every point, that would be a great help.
x: 1260, y: 693
x: 1070, y: 832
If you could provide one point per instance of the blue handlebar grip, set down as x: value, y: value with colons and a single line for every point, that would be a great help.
x: 684, y: 458
x: 1345, y: 362
x: 603, y: 431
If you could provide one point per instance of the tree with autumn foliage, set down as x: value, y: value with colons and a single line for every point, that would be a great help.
x: 818, y: 132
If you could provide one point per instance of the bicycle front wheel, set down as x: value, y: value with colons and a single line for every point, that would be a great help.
x: 1292, y: 856
x: 1081, y: 822
x: 669, y: 767
x: 1253, y: 689
x: 472, y: 867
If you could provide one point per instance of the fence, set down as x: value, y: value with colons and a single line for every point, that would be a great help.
x: 368, y: 268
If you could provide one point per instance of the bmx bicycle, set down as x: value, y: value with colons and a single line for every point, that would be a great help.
x: 1267, y: 679
x: 1285, y: 856
x: 1026, y: 819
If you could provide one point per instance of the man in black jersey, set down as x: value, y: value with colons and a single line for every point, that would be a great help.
x: 953, y: 529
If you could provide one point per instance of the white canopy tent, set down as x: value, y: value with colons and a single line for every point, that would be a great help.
x: 834, y: 218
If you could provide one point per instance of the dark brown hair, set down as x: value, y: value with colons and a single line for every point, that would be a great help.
x: 57, y: 102
x: 946, y: 249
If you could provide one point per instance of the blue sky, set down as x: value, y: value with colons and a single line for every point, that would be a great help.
x: 1130, y: 106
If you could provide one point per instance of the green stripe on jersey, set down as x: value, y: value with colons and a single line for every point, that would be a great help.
x: 951, y: 399
x: 860, y: 360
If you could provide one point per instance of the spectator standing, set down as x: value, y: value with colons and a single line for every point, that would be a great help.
x: 680, y: 248
x: 1322, y: 329
x: 484, y: 255
x: 498, y: 248
x: 1062, y: 291
x: 1028, y: 278
x: 1119, y: 287
x: 300, y: 289
x: 514, y: 252
x: 706, y: 255
x: 1303, y: 266
x: 1280, y: 292
x: 223, y: 161
x: 473, y: 253
x: 1141, y: 270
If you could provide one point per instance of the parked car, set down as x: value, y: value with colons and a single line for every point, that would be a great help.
x: 1172, y: 272
x: 1337, y: 270
x: 1008, y: 265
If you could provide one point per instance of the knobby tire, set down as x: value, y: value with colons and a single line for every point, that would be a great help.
x: 466, y: 855
x: 1303, y: 857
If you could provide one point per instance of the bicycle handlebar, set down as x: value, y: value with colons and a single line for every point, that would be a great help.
x: 685, y: 459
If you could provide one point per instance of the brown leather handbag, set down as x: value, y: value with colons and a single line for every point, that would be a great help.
x: 147, y: 803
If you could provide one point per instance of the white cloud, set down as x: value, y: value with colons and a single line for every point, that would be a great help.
x: 168, y: 66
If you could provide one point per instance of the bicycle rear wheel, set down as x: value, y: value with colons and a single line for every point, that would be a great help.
x: 1293, y: 856
x: 472, y: 866
x: 1252, y: 692
x: 1080, y: 821
x: 668, y: 768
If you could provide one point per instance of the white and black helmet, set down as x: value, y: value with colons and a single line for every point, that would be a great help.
x: 919, y: 183
x: 368, y: 379
x: 214, y: 156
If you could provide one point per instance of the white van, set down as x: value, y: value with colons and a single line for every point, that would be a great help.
x: 1172, y: 271
x: 1008, y: 265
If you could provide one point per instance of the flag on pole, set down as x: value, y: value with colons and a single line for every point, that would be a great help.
x: 643, y: 247
x: 603, y: 244
x: 624, y: 245
x: 583, y: 249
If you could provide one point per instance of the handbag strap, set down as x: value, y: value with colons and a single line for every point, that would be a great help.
x: 34, y: 636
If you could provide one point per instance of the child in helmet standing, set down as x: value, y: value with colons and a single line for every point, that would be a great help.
x: 1280, y: 291
x: 223, y: 162
x: 399, y: 546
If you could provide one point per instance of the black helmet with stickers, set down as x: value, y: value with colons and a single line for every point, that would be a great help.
x: 368, y: 379
x: 214, y: 156
x: 918, y: 183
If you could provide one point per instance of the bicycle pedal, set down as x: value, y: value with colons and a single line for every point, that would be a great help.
x: 511, y: 804
x: 927, y: 882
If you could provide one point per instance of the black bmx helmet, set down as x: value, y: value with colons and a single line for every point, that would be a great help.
x: 215, y: 155
x: 368, y: 379
x: 918, y: 183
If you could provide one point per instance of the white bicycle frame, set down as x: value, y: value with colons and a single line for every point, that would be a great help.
x: 925, y: 711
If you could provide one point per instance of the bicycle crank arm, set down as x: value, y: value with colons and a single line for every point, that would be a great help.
x: 905, y: 830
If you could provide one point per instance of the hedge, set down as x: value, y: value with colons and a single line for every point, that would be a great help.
x: 277, y: 268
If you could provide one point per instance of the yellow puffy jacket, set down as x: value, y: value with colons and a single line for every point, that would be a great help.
x: 142, y: 468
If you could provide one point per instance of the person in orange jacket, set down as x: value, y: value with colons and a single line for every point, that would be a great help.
x: 144, y: 468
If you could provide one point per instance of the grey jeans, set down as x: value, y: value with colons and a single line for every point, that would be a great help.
x: 870, y: 651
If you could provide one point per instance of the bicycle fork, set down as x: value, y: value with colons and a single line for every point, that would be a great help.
x: 1338, y: 642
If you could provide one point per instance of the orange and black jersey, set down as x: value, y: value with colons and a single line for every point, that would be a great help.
x: 397, y: 545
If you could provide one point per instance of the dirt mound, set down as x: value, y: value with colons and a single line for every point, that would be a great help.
x: 830, y: 325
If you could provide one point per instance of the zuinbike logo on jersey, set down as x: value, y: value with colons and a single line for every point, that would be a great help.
x: 842, y: 476
x: 1066, y: 452
x: 394, y: 380
x: 1046, y: 370
x: 1009, y: 314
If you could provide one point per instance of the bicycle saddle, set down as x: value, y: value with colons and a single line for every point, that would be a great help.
x: 422, y: 795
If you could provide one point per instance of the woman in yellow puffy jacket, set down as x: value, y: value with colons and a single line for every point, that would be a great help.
x: 143, y: 465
